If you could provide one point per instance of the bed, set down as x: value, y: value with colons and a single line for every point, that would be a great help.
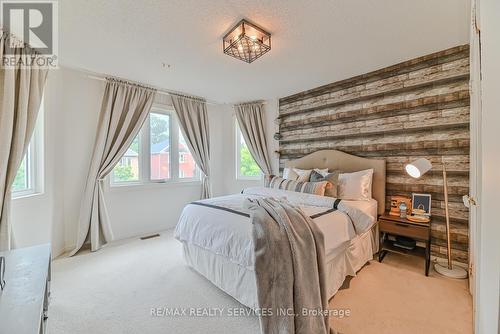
x: 216, y: 234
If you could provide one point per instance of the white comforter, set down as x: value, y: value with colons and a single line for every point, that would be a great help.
x: 222, y: 226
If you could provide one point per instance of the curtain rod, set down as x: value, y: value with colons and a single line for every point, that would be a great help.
x: 102, y: 77
x: 158, y: 89
x: 170, y: 92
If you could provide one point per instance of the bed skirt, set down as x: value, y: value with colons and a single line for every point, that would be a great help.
x: 239, y: 281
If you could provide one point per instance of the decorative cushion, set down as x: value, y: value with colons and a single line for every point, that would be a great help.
x: 355, y: 186
x: 288, y: 173
x: 332, y: 178
x: 267, y: 180
x: 295, y: 174
x: 316, y: 188
x: 323, y: 171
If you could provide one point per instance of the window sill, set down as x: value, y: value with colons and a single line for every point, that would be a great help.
x: 152, y: 185
x: 248, y: 178
x: 26, y: 195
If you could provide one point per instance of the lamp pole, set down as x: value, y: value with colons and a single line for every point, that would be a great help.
x: 448, y: 271
x: 448, y: 241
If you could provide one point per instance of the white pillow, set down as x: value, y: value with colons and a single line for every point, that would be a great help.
x: 322, y: 172
x: 356, y: 186
x: 303, y: 174
x: 289, y: 174
x: 295, y: 174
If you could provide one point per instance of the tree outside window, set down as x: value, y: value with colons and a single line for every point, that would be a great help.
x: 247, y: 168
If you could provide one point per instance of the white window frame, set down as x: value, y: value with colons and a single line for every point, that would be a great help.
x: 237, y: 141
x: 145, y: 155
x: 34, y: 161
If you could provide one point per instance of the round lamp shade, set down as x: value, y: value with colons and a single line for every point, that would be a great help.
x: 418, y: 167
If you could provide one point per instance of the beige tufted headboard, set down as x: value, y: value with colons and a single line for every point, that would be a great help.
x: 337, y: 160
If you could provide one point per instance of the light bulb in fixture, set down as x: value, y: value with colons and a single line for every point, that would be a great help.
x: 251, y: 42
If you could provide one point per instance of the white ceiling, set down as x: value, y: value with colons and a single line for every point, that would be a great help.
x: 314, y: 42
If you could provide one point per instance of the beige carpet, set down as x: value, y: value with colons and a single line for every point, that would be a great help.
x: 114, y: 290
x: 396, y: 297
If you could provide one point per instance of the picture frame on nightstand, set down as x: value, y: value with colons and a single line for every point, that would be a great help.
x: 421, y: 204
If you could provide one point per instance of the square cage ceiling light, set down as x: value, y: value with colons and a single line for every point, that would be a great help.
x: 246, y: 42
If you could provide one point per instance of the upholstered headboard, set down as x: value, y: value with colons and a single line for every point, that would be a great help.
x: 337, y: 160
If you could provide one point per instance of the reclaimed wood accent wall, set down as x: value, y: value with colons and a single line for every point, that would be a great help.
x: 418, y: 108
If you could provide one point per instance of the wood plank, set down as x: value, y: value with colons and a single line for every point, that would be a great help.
x: 355, y: 97
x: 350, y: 112
x: 427, y: 95
x: 409, y: 138
x: 439, y: 119
x: 456, y: 255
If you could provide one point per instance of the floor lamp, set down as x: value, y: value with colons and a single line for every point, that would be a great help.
x: 416, y: 169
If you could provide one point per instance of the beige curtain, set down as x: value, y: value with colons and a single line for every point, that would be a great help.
x: 251, y: 121
x: 193, y: 120
x: 124, y: 108
x: 21, y: 91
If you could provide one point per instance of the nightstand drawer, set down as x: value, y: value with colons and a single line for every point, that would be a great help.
x: 407, y: 230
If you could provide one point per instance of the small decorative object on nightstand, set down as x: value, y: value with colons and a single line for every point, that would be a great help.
x: 402, y: 210
x: 421, y: 208
x: 391, y: 227
x: 396, y: 202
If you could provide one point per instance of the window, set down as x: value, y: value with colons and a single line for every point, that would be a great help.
x: 23, y: 181
x: 127, y: 169
x: 187, y: 166
x: 28, y: 180
x: 159, y: 125
x: 246, y: 167
x: 158, y: 154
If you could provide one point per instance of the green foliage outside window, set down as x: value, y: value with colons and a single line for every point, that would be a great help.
x: 123, y: 173
x: 160, y: 128
x: 20, y: 180
x: 248, y: 166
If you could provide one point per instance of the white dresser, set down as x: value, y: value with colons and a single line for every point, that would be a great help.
x: 25, y: 299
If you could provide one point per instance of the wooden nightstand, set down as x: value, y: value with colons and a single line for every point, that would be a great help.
x: 396, y: 226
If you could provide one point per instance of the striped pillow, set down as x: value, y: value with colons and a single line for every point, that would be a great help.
x: 316, y: 188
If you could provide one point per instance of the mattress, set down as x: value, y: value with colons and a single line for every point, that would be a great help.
x: 217, y: 239
x: 222, y: 227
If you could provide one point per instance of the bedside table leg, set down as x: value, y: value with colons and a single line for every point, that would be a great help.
x: 381, y: 255
x: 381, y: 252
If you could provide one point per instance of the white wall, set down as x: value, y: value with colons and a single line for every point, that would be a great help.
x: 488, y: 267
x: 72, y: 105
